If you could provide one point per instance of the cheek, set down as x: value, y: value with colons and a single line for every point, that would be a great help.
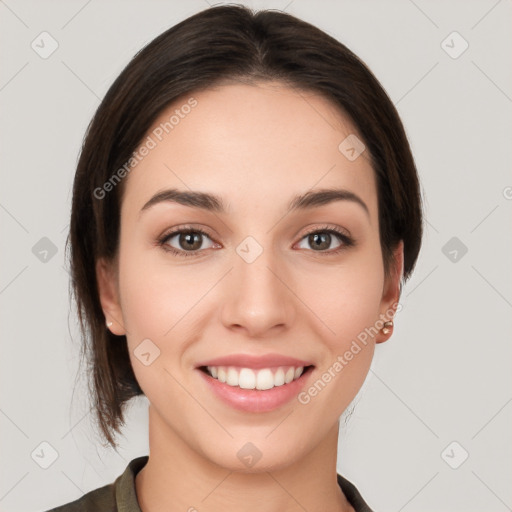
x: 348, y: 303
x: 155, y: 302
x: 154, y: 297
x: 346, y: 298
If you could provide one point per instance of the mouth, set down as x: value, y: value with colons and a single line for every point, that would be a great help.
x: 261, y: 379
x: 252, y: 390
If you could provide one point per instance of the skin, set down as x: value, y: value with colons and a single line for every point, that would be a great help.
x: 256, y: 146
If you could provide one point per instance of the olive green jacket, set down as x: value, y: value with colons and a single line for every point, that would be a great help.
x: 120, y: 496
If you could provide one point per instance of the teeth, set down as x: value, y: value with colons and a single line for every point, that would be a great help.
x: 279, y: 377
x: 247, y: 378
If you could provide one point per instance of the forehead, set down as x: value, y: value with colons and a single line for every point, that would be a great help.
x: 253, y: 144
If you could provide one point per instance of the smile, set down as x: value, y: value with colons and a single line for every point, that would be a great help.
x: 262, y: 379
x: 266, y: 389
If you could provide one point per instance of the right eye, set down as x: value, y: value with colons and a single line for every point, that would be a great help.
x: 189, y: 241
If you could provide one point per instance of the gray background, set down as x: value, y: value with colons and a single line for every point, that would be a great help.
x: 444, y: 376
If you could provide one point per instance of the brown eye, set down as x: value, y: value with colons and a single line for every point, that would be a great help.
x: 321, y: 240
x: 190, y: 241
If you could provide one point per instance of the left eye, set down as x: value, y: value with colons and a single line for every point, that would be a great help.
x: 321, y: 240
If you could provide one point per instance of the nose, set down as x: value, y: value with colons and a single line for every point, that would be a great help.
x: 258, y: 295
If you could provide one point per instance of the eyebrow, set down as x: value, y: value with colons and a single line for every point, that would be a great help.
x: 213, y: 203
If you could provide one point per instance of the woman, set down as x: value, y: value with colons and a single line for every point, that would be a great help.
x: 245, y: 210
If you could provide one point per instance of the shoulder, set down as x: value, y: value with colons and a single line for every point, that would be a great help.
x: 353, y: 495
x: 119, y: 495
x: 102, y: 499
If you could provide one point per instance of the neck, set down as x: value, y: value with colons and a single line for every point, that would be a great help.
x: 177, y: 478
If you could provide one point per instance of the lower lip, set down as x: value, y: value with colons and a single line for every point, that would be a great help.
x: 256, y: 400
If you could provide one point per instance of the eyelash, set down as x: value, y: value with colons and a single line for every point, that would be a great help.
x: 345, y: 239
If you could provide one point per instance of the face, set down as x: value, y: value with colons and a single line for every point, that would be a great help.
x: 252, y: 279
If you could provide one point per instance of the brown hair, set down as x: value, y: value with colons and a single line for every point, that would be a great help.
x: 218, y: 44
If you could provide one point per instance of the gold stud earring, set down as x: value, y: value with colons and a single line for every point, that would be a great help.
x: 386, y: 329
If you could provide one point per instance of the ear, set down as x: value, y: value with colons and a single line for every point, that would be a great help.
x: 391, y: 291
x: 108, y: 290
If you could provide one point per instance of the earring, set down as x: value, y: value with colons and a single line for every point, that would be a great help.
x: 387, y: 327
x: 109, y: 324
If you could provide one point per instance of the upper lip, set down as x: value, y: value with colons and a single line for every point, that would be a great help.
x: 251, y: 361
